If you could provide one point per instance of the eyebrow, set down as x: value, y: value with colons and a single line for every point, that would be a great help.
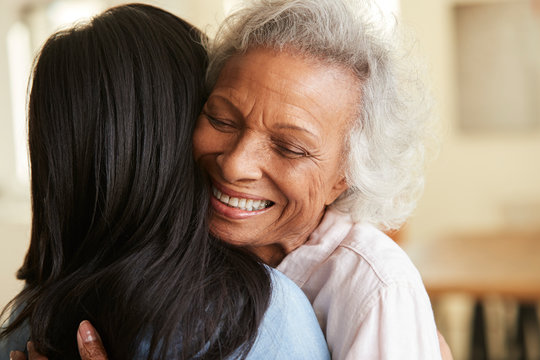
x: 280, y: 126
x: 221, y: 98
x: 296, y: 127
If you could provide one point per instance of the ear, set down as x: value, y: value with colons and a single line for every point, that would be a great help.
x: 339, y: 187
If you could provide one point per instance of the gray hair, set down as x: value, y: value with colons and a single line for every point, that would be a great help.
x: 385, y: 146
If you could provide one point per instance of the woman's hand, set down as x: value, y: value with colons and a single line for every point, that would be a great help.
x: 91, y: 347
x: 88, y: 341
x: 19, y: 355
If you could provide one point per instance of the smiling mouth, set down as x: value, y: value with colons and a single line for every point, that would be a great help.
x: 241, y: 203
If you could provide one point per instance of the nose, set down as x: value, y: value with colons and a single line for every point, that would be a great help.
x: 243, y: 161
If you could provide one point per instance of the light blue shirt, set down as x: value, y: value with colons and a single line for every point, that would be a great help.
x: 289, y: 329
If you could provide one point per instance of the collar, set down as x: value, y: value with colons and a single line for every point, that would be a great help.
x: 299, y: 264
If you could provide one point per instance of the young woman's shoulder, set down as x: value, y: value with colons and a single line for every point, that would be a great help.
x: 289, y: 329
x: 16, y: 340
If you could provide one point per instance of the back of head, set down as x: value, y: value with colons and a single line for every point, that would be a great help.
x: 118, y: 233
x: 111, y: 111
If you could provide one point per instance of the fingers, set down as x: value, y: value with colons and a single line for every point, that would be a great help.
x: 32, y: 353
x: 89, y: 342
x: 17, y: 355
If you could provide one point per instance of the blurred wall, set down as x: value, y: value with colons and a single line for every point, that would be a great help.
x: 480, y: 181
x: 14, y: 212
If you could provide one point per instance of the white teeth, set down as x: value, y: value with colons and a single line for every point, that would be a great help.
x: 240, y: 203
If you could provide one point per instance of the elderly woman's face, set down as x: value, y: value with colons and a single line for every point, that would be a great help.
x: 271, y: 138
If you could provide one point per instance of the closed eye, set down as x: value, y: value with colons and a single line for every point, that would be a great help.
x: 291, y: 151
x: 220, y: 124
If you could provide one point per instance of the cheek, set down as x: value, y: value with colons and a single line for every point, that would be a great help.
x: 304, y: 209
x: 207, y: 140
x: 313, y: 187
x: 305, y: 188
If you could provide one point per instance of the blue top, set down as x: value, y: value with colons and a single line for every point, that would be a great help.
x: 289, y: 329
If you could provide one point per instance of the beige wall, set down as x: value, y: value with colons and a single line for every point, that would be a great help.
x: 479, y: 181
x: 14, y: 216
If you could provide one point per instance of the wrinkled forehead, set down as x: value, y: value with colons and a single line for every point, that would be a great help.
x: 323, y: 61
x: 289, y: 76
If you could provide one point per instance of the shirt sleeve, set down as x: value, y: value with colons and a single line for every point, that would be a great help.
x: 372, y: 312
x: 398, y: 325
x: 16, y: 340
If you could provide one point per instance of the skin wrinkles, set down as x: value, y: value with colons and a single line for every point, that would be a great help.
x: 273, y: 128
x: 295, y: 127
x: 290, y: 109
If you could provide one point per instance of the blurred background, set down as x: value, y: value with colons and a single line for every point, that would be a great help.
x: 475, y: 236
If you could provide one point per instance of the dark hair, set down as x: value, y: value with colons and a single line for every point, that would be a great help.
x: 119, y: 232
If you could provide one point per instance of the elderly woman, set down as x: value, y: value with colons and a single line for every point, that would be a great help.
x: 313, y: 145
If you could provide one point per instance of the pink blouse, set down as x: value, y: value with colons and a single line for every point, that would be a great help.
x: 368, y: 296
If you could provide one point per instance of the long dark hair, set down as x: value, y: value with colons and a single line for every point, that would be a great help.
x: 119, y: 233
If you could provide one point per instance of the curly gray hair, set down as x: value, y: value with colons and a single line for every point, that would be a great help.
x: 385, y: 146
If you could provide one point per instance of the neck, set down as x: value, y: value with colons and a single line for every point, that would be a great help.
x: 271, y: 255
